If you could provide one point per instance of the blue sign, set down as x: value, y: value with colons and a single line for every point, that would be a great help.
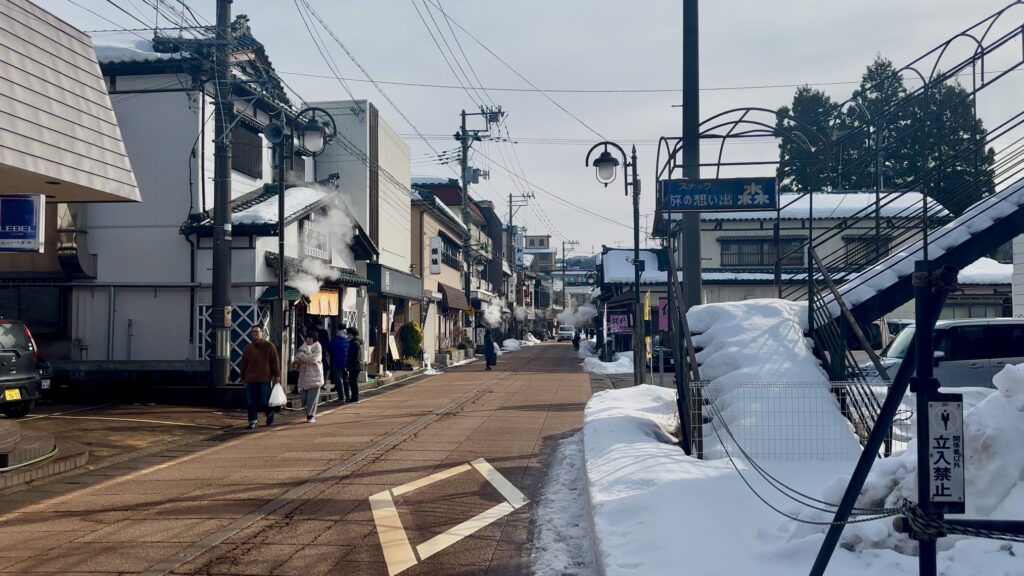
x: 21, y: 223
x: 719, y: 195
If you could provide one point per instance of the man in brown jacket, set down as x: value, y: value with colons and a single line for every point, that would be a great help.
x: 261, y: 368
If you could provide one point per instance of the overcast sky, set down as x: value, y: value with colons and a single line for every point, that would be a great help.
x: 582, y: 44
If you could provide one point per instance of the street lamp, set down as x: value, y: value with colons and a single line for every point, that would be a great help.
x: 606, y: 168
x: 480, y: 267
x: 312, y: 136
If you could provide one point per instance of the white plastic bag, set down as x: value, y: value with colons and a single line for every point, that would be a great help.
x: 277, y: 397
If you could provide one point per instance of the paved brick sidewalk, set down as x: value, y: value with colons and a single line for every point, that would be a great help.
x: 295, y: 499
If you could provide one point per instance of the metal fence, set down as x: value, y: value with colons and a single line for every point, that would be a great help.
x: 784, y: 421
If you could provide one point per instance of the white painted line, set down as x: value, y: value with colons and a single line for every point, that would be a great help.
x: 442, y: 541
x: 500, y: 483
x: 398, y: 554
x: 406, y: 488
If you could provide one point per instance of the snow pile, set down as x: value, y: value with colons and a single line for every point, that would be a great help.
x: 641, y: 484
x: 127, y: 47
x: 765, y: 385
x: 563, y: 543
x: 623, y: 364
x: 588, y: 349
x: 986, y: 271
x: 530, y: 340
x: 994, y: 485
x: 511, y: 345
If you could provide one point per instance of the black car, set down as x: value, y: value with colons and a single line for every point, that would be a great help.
x: 655, y: 363
x: 20, y: 380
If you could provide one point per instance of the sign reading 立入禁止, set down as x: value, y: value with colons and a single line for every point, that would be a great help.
x: 21, y: 223
x: 946, y: 458
x: 718, y: 195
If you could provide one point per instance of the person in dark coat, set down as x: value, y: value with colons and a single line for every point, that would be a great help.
x: 576, y: 340
x: 354, y: 364
x: 339, y: 362
x: 490, y: 356
x: 261, y: 369
x: 323, y: 337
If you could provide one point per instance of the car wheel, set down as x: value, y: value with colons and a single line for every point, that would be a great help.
x: 17, y: 410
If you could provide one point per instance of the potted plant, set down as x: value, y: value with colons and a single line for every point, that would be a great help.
x: 410, y: 337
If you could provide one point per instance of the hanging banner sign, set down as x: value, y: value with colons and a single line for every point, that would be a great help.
x: 22, y: 219
x: 663, y: 314
x: 946, y: 458
x: 435, y: 254
x: 718, y: 195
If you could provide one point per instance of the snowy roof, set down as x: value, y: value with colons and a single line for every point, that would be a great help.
x: 619, y: 270
x: 296, y: 200
x: 986, y: 271
x: 430, y: 180
x: 128, y: 47
x: 796, y: 206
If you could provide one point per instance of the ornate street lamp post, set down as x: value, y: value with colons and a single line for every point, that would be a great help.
x: 606, y: 168
x: 311, y: 131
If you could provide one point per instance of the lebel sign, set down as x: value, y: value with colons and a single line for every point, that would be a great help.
x: 719, y: 195
x: 21, y: 223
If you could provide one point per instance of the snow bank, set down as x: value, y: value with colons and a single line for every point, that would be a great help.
x: 623, y: 364
x: 563, y: 543
x: 530, y: 339
x: 511, y: 345
x: 655, y: 510
x: 765, y: 385
x: 587, y: 349
x: 986, y: 271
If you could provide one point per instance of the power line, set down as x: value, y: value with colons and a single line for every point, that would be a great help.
x: 329, y: 60
x: 129, y: 14
x: 476, y: 101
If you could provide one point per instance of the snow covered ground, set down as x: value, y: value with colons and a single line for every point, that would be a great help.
x: 563, y: 541
x: 655, y: 510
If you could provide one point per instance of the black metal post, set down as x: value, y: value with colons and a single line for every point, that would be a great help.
x: 220, y: 361
x: 282, y: 306
x: 639, y: 347
x: 923, y: 384
x: 690, y: 240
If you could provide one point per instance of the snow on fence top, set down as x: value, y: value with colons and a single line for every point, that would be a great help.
x: 765, y: 384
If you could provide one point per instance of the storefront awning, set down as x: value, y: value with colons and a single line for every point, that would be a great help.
x: 290, y: 294
x: 395, y: 283
x: 453, y: 298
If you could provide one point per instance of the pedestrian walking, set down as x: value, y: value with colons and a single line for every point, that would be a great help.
x: 354, y: 364
x: 311, y: 374
x: 576, y: 340
x: 339, y: 362
x: 490, y: 356
x: 261, y: 368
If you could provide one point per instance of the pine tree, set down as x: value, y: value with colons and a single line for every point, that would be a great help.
x: 801, y: 169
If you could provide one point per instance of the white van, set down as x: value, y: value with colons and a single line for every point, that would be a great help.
x: 968, y: 352
x: 565, y: 332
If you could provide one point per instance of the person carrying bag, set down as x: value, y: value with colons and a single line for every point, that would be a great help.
x: 261, y: 368
x: 309, y: 357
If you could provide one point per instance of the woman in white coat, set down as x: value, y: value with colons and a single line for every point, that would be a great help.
x: 309, y: 357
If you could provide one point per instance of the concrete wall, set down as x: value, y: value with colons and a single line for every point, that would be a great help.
x: 395, y: 231
x: 345, y: 156
x: 1018, y: 276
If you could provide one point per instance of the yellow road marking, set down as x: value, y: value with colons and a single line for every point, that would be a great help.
x: 398, y: 554
x: 442, y: 541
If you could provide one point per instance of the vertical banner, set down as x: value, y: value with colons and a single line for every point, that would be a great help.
x: 435, y: 254
x: 663, y: 314
x: 22, y: 220
x: 946, y: 457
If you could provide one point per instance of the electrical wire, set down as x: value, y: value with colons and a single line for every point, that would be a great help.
x: 476, y: 100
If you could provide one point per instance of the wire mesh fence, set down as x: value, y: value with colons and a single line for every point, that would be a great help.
x: 787, y: 420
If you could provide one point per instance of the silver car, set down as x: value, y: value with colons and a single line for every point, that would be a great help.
x: 968, y: 352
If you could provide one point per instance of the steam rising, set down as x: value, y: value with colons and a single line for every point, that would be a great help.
x: 577, y: 316
x: 341, y: 229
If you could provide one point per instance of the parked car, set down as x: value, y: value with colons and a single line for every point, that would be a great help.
x: 20, y: 380
x: 654, y: 364
x: 968, y: 352
x: 565, y: 332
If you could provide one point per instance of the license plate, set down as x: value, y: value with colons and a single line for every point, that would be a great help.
x: 46, y: 384
x: 12, y: 394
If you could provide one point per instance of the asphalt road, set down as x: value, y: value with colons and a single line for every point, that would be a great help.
x: 437, y: 477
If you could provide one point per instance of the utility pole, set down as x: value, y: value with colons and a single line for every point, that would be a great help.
x: 515, y: 201
x: 570, y: 243
x: 689, y: 240
x: 470, y: 175
x: 224, y: 111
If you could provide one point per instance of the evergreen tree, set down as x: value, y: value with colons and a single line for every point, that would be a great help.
x: 801, y: 169
x: 878, y: 126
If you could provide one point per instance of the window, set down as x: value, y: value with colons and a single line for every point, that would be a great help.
x: 247, y: 151
x: 450, y: 251
x: 967, y: 343
x: 861, y: 251
x: 759, y: 252
x: 1006, y: 340
x: 533, y: 242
